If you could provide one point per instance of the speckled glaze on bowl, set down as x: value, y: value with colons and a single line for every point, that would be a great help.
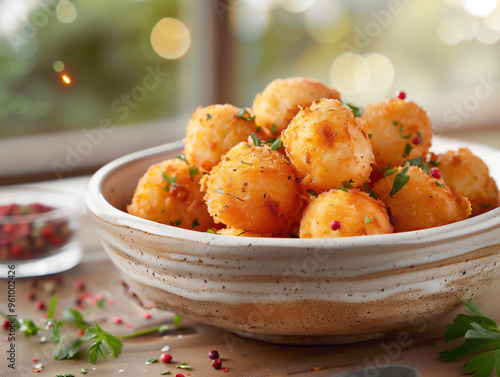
x: 295, y: 291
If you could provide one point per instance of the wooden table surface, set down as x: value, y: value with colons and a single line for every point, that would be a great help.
x: 417, y: 346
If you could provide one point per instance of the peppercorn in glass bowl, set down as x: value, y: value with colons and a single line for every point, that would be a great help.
x: 37, y: 231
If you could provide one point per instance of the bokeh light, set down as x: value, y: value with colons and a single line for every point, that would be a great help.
x: 262, y: 5
x: 248, y: 23
x: 58, y: 66
x: 66, y: 12
x: 66, y: 79
x: 170, y: 38
x: 450, y: 30
x: 297, y: 6
x: 486, y: 35
x: 480, y: 8
x: 382, y: 75
x: 327, y: 21
x: 493, y: 20
x: 350, y: 74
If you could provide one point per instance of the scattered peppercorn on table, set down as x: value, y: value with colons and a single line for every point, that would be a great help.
x: 95, y: 290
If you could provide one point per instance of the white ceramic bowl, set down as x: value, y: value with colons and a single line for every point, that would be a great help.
x: 297, y: 291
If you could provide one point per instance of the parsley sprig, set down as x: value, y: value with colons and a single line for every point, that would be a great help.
x: 400, y: 180
x: 102, y: 344
x: 482, y: 334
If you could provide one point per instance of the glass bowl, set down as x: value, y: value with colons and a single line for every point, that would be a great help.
x: 37, y: 231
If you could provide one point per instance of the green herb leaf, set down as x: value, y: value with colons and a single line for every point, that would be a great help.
x: 53, y: 327
x: 258, y: 129
x: 69, y: 351
x: 193, y: 170
x: 75, y: 318
x: 277, y: 144
x: 270, y: 140
x: 343, y: 189
x: 255, y: 139
x: 485, y: 205
x: 177, y: 320
x: 435, y: 163
x: 313, y: 193
x: 357, y: 111
x: 408, y: 149
x: 400, y: 180
x: 185, y: 366
x: 244, y: 114
x: 273, y: 128
x: 395, y: 123
x: 103, y: 344
x: 209, y: 116
x: 211, y: 231
x: 28, y: 327
x: 183, y: 158
x: 171, y: 181
x: 369, y: 135
x: 52, y: 307
x: 195, y: 223
x: 83, y: 371
x: 368, y: 219
x: 165, y: 373
x: 402, y: 134
x: 152, y: 360
x: 370, y: 192
x: 481, y: 333
x: 439, y: 184
x: 348, y: 184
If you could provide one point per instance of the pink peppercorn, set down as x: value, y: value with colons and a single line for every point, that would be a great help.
x: 6, y: 324
x: 217, y: 363
x: 147, y: 315
x: 213, y: 354
x: 225, y: 369
x: 179, y: 375
x: 34, y: 360
x: 416, y: 140
x: 436, y: 173
x: 335, y: 225
x: 116, y: 320
x: 401, y: 95
x: 39, y: 305
x: 80, y: 285
x: 166, y: 358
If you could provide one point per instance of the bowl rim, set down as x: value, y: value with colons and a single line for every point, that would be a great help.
x: 100, y: 207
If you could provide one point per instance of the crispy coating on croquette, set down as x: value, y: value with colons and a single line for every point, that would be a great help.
x: 356, y: 212
x: 327, y: 147
x: 467, y: 175
x: 282, y: 98
x: 213, y: 131
x: 422, y: 202
x: 254, y: 188
x: 400, y: 131
x: 245, y: 233
x: 179, y: 203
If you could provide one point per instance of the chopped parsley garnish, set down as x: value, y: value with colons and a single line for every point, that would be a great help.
x: 195, y: 223
x: 246, y: 163
x: 255, y: 139
x: 193, y: 170
x: 395, y: 122
x: 176, y: 223
x: 439, y: 184
x: 209, y: 116
x: 165, y: 373
x: 183, y: 158
x: 418, y: 162
x: 400, y: 180
x: 185, y: 366
x: 273, y: 128
x: 270, y: 140
x: 211, y: 231
x: 357, y: 111
x: 313, y: 193
x: 343, y: 189
x: 435, y: 163
x: 420, y: 137
x: 485, y: 205
x: 369, y: 135
x: 370, y: 192
x: 368, y: 219
x: 388, y: 171
x: 244, y: 114
x: 481, y: 339
x: 171, y: 181
x: 402, y: 134
x: 258, y: 129
x: 152, y: 360
x: 277, y: 144
x: 348, y: 184
x: 408, y: 149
